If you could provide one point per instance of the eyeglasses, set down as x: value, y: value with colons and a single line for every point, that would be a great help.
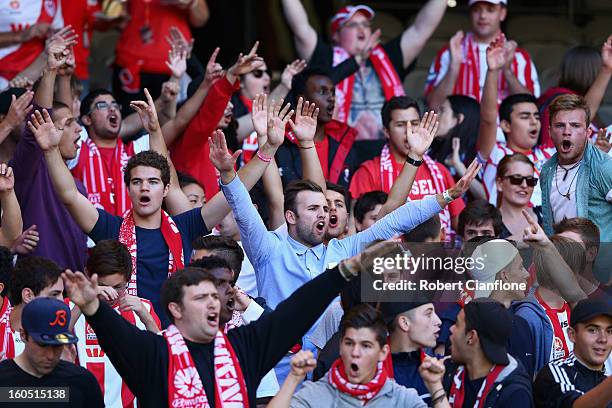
x: 355, y: 24
x: 103, y: 105
x: 258, y: 73
x: 518, y: 180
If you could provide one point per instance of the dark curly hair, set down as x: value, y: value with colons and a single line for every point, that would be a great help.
x: 148, y: 158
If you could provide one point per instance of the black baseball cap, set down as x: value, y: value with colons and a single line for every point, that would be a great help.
x: 46, y: 320
x: 493, y: 324
x: 587, y: 309
x: 391, y: 309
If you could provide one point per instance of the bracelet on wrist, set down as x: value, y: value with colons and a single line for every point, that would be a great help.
x: 306, y: 147
x: 263, y: 157
x: 447, y: 197
x: 415, y: 163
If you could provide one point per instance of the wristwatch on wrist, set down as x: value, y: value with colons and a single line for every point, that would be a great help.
x: 447, y: 197
x: 415, y: 163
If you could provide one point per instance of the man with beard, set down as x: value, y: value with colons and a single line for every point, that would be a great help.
x: 63, y: 241
x: 359, y: 377
x: 580, y: 381
x: 333, y: 140
x: 519, y: 119
x: 379, y: 77
x: 482, y: 373
x: 285, y: 261
x: 577, y: 180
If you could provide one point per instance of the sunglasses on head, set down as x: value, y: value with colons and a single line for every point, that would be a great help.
x: 258, y: 73
x: 518, y: 180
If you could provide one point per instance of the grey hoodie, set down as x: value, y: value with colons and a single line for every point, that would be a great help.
x: 322, y: 394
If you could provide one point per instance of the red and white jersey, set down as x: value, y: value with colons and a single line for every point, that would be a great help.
x: 471, y: 78
x: 11, y: 344
x: 538, y: 156
x: 18, y: 15
x: 92, y: 357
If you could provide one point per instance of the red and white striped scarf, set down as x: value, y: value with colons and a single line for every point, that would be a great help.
x: 469, y: 73
x: 391, y: 83
x: 171, y: 234
x: 185, y: 388
x: 363, y: 392
x: 390, y: 171
x: 7, y: 346
x: 456, y: 395
x: 105, y: 186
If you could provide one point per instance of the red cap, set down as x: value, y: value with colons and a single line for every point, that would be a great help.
x: 345, y: 14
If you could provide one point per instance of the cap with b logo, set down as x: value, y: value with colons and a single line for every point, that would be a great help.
x: 47, y: 321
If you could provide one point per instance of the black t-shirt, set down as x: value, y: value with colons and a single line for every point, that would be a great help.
x: 323, y: 56
x: 84, y: 390
x: 471, y: 390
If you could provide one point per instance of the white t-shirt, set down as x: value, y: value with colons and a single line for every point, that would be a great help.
x: 563, y: 193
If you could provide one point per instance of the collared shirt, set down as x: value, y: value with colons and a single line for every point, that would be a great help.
x: 283, y: 264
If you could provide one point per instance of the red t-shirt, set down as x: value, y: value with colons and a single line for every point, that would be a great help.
x: 159, y: 19
x: 368, y: 178
x: 80, y: 14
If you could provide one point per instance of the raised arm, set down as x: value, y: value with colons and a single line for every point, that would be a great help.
x: 301, y: 364
x: 59, y: 60
x: 596, y: 91
x: 174, y: 128
x: 487, y: 135
x: 272, y: 183
x: 476, y: 188
x: 554, y: 264
x: 255, y: 237
x: 19, y: 37
x: 12, y: 224
x: 414, y: 37
x: 48, y: 138
x: 514, y: 85
x: 440, y: 92
x: 304, y: 128
x: 419, y: 140
x: 64, y: 88
x: 409, y: 215
x: 305, y: 35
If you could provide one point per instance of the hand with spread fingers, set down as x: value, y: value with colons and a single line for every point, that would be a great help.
x: 259, y: 116
x: 305, y: 125
x: 463, y: 185
x: 21, y: 82
x: 43, y: 129
x: 147, y: 112
x: 82, y: 291
x: 292, y: 70
x: 177, y: 62
x: 606, y: 54
x: 58, y: 47
x: 178, y: 40
x: 603, y: 140
x: 420, y: 138
x: 220, y: 156
x: 277, y: 122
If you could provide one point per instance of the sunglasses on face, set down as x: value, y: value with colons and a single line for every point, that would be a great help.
x: 518, y: 180
x: 103, y: 105
x: 258, y: 73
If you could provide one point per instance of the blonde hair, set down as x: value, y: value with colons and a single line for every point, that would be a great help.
x: 569, y: 102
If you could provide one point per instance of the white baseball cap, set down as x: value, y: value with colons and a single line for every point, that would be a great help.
x: 504, y: 2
